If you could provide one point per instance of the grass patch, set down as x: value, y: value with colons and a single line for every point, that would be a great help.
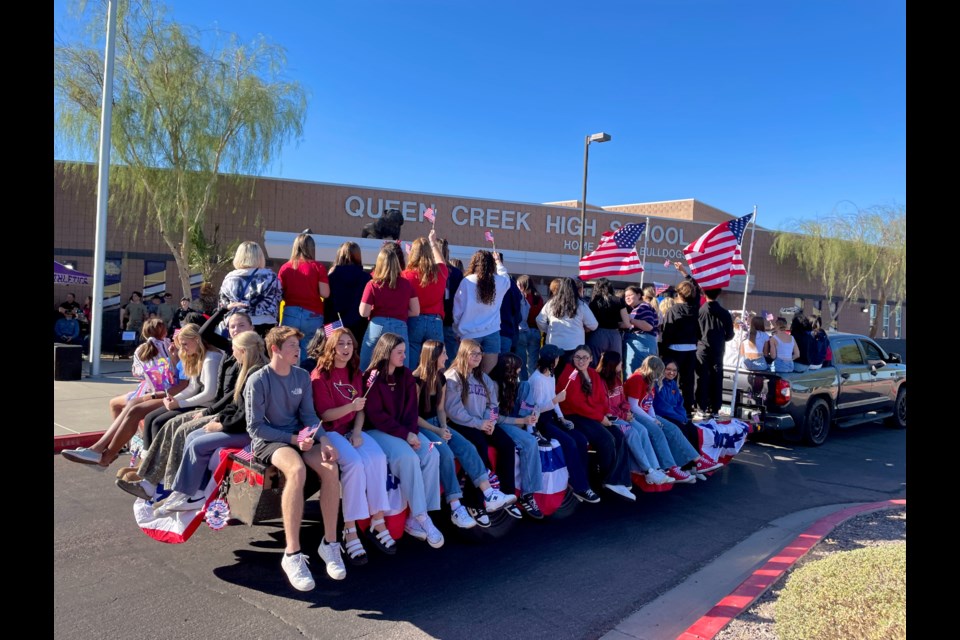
x: 852, y: 594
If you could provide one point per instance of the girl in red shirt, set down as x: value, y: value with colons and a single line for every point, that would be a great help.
x: 427, y: 274
x: 305, y: 285
x: 586, y: 406
x: 388, y: 300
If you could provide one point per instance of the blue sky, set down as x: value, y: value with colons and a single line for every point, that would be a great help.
x: 798, y: 107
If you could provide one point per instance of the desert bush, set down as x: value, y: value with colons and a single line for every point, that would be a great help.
x: 851, y: 594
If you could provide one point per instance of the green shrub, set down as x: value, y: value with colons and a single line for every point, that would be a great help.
x: 858, y: 594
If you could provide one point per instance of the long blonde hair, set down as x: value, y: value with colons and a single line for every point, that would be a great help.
x: 652, y: 370
x: 421, y: 261
x: 304, y: 250
x: 387, y: 269
x: 254, y: 353
x: 461, y: 365
x: 192, y: 363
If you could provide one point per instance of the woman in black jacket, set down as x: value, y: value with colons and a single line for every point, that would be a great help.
x: 680, y: 333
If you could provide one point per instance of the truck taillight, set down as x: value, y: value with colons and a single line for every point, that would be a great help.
x: 782, y: 395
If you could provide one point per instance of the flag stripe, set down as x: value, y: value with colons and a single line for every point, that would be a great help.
x: 715, y: 256
x: 616, y: 254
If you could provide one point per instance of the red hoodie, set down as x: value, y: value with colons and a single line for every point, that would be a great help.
x: 594, y: 406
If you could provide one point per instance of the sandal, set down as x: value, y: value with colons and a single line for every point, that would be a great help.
x: 354, y: 548
x: 382, y: 540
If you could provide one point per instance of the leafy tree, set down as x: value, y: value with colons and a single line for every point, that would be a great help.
x: 851, y: 255
x: 188, y: 122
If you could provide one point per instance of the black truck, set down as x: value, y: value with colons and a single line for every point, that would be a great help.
x: 862, y: 383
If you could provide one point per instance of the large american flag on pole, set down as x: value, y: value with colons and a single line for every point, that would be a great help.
x: 615, y: 256
x: 715, y: 256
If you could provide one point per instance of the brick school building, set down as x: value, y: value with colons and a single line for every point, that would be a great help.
x: 541, y: 240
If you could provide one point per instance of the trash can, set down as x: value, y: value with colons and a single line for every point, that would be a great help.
x: 67, y: 361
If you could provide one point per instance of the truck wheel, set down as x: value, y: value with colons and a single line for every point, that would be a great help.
x: 899, y: 418
x: 816, y: 424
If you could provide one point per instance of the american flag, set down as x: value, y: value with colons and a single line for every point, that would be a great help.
x: 660, y: 287
x: 494, y: 413
x: 307, y: 432
x: 328, y: 329
x: 429, y: 215
x: 488, y: 236
x: 615, y: 256
x: 573, y: 376
x: 372, y: 378
x: 666, y: 263
x: 406, y: 248
x: 715, y: 256
x: 244, y: 454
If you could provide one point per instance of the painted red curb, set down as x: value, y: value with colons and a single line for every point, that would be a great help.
x: 763, y: 578
x: 78, y: 440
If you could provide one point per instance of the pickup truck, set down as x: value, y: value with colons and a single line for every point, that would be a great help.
x: 863, y: 383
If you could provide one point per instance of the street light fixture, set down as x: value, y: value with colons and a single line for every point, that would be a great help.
x: 596, y: 137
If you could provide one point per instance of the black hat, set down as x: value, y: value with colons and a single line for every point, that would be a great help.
x: 550, y: 351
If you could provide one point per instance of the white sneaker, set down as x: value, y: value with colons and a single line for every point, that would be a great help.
x: 177, y: 501
x: 655, y: 476
x: 434, y: 537
x: 82, y: 455
x: 330, y: 553
x: 622, y: 491
x: 297, y: 572
x: 412, y: 528
x: 497, y: 501
x: 462, y: 518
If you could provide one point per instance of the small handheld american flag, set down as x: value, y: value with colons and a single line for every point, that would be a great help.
x: 406, y: 248
x: 488, y: 236
x: 768, y: 316
x: 307, y: 432
x: 666, y: 263
x: 660, y: 287
x: 573, y: 376
x: 429, y: 215
x: 494, y: 413
x: 328, y: 329
x: 370, y: 380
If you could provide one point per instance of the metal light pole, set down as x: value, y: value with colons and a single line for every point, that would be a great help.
x: 103, y: 164
x: 597, y: 137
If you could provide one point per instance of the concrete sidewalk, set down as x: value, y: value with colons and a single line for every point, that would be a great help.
x: 80, y: 411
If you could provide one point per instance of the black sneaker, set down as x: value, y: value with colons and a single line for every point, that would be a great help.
x: 529, y: 505
x: 480, y: 515
x: 587, y: 496
x: 514, y: 510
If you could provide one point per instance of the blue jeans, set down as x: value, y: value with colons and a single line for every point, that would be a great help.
x: 506, y: 344
x: 490, y: 343
x: 642, y: 454
x: 422, y: 328
x: 636, y: 347
x: 528, y: 348
x: 668, y: 441
x: 531, y: 472
x: 780, y: 365
x: 306, y: 321
x: 460, y: 448
x: 376, y: 328
x: 450, y: 342
x: 194, y: 472
x: 418, y: 472
x: 755, y: 364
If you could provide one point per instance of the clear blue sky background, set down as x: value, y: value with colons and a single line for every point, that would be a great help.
x: 796, y: 106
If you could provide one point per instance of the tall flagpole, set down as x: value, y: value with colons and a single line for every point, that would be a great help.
x: 103, y: 163
x: 743, y: 312
x: 643, y: 261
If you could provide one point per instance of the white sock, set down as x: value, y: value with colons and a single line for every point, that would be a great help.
x: 488, y: 493
x: 454, y: 504
x: 421, y: 518
x: 149, y: 487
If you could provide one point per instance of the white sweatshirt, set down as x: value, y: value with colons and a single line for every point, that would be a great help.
x: 471, y: 318
x: 202, y: 391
